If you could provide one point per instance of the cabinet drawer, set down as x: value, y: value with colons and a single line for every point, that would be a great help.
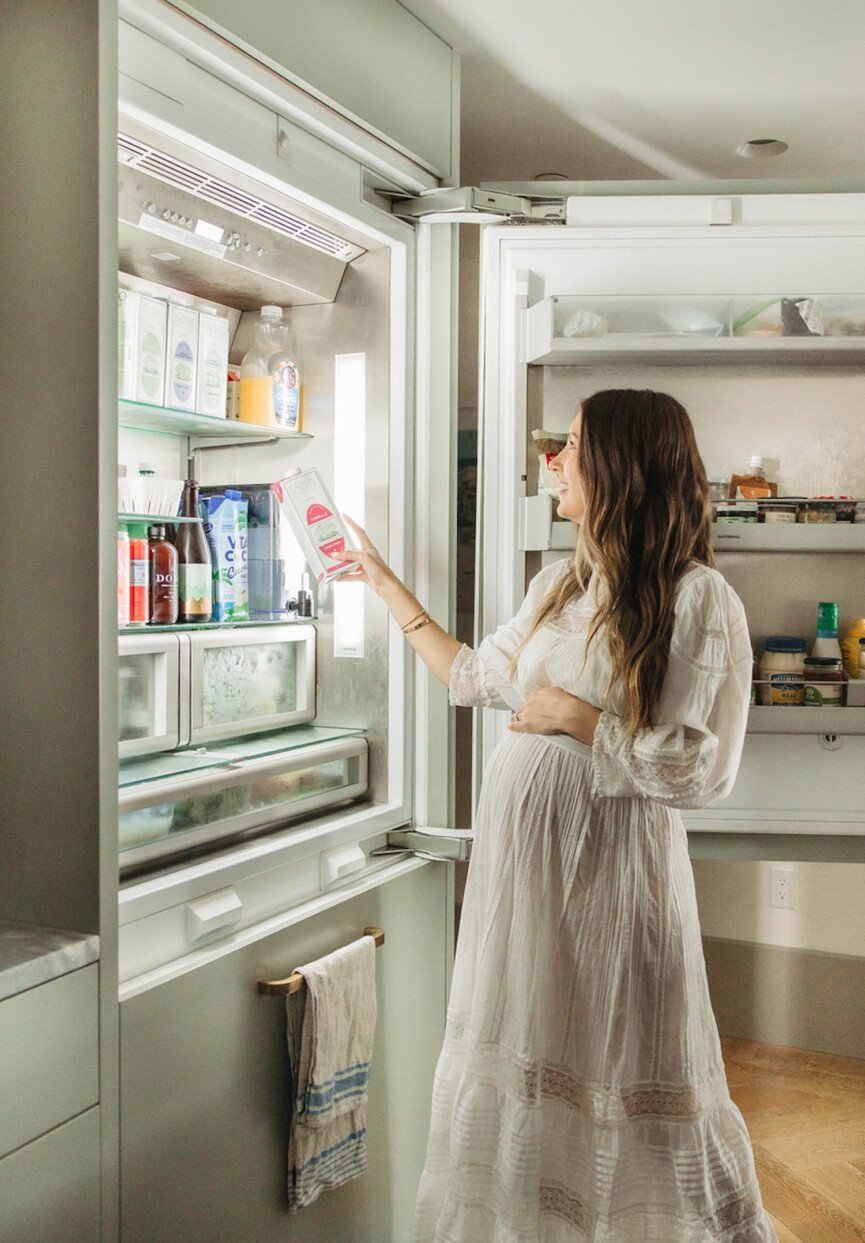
x: 50, y: 1189
x: 48, y: 1056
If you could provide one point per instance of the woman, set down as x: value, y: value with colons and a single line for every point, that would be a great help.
x: 580, y: 1093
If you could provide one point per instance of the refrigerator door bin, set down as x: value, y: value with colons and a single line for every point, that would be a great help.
x: 178, y: 815
x: 149, y: 693
x: 244, y: 682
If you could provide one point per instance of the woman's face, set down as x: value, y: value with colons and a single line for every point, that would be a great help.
x: 572, y: 503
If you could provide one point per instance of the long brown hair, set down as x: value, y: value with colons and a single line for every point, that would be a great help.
x: 647, y: 519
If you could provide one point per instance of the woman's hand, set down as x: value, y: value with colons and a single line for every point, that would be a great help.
x: 370, y: 566
x: 553, y: 711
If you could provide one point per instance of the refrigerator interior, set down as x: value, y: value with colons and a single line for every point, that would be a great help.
x: 336, y: 293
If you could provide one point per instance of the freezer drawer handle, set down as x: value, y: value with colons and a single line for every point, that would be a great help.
x: 295, y: 982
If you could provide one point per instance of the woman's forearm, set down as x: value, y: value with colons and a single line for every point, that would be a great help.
x: 436, y: 648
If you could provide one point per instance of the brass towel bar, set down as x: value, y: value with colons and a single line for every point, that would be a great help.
x: 294, y: 982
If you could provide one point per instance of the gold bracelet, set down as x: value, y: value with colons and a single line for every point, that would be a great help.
x: 422, y: 613
x: 416, y: 625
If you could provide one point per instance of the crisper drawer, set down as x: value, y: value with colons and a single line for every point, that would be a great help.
x: 243, y: 682
x: 149, y: 693
x: 190, y: 812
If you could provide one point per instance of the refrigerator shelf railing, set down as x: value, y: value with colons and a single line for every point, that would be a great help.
x: 141, y: 416
x: 190, y: 627
x: 538, y: 532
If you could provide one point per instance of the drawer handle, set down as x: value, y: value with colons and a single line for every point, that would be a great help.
x: 295, y: 982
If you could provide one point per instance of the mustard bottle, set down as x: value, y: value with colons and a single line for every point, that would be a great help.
x: 850, y: 647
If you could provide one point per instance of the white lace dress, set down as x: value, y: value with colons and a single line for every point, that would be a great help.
x: 580, y: 1094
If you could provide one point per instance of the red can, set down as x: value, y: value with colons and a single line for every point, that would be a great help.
x: 139, y: 577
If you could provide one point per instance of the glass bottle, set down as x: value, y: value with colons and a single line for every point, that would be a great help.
x: 255, y: 402
x: 164, y: 605
x: 285, y: 378
x: 194, y: 583
x: 826, y: 643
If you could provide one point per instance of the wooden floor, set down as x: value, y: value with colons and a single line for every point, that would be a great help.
x: 806, y: 1116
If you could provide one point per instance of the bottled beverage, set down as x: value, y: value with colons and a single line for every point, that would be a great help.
x: 826, y: 643
x: 754, y: 485
x: 285, y: 378
x: 123, y: 578
x: 195, y: 589
x: 163, y: 579
x: 255, y: 403
x: 139, y: 575
x: 850, y: 646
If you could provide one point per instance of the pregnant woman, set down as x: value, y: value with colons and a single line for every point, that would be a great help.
x: 580, y: 1094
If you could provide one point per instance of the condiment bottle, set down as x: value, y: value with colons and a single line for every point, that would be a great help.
x: 195, y: 587
x: 163, y: 578
x: 824, y: 682
x: 139, y: 575
x: 850, y: 646
x: 255, y: 402
x: 826, y: 643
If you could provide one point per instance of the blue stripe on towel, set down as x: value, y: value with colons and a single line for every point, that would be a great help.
x: 331, y: 1168
x: 347, y: 1084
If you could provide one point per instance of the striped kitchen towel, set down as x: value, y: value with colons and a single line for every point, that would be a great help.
x: 331, y: 1023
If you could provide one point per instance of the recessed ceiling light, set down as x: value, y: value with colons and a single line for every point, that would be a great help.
x: 759, y: 148
x: 550, y: 177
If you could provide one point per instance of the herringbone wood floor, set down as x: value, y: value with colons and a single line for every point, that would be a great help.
x: 806, y: 1115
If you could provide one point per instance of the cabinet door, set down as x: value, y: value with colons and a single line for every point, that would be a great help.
x: 205, y: 1082
x: 49, y: 1190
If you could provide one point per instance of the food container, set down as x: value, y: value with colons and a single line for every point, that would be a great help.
x: 717, y: 490
x: 818, y: 511
x: 845, y: 507
x: 736, y: 511
x: 548, y: 446
x: 773, y: 510
x: 781, y: 671
x: 824, y: 682
x: 860, y: 512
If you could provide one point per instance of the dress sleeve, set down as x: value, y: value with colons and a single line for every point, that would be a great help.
x: 691, y: 757
x: 481, y: 677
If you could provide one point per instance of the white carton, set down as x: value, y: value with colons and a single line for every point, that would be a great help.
x: 127, y: 335
x: 182, y: 355
x: 212, y: 364
x: 149, y: 358
x: 313, y: 517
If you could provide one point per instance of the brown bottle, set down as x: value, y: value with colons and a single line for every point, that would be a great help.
x: 163, y: 579
x: 195, y: 585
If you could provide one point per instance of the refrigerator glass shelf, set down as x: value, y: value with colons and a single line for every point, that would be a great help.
x: 124, y: 519
x: 171, y: 764
x: 216, y: 625
x: 144, y: 417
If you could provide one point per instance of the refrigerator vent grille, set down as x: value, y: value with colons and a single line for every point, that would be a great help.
x: 177, y: 173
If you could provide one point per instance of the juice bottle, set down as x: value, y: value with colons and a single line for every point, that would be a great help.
x: 255, y: 404
x: 139, y: 575
x: 285, y: 378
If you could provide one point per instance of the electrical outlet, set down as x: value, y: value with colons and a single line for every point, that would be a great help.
x: 782, y: 888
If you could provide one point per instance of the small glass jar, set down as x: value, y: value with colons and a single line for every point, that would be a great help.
x: 860, y: 512
x: 736, y: 511
x: 824, y: 682
x: 781, y: 671
x: 818, y: 511
x: 777, y: 511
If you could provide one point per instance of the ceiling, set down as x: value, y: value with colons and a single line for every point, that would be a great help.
x: 609, y: 89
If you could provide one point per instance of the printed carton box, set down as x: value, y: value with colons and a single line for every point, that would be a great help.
x: 312, y: 514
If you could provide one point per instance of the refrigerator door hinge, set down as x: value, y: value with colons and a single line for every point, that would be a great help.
x: 470, y: 205
x: 445, y: 845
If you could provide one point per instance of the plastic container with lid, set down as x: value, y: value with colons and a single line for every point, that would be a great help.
x: 818, y: 511
x: 824, y: 682
x: 781, y: 671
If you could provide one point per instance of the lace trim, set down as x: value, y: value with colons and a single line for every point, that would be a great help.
x: 642, y: 1102
x: 469, y: 683
x: 556, y: 1200
x: 685, y: 774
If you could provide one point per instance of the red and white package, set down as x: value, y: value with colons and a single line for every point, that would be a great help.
x: 313, y: 517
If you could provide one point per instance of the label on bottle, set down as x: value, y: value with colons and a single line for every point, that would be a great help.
x: 194, y: 588
x: 286, y: 395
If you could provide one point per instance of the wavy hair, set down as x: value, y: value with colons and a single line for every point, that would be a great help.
x: 647, y: 520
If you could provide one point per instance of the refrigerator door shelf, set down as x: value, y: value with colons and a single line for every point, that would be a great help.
x: 194, y: 811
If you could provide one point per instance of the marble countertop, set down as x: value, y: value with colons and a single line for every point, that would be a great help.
x: 31, y: 954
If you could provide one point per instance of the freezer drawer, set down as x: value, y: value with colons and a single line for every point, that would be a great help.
x: 149, y: 693
x: 244, y: 682
x: 191, y: 812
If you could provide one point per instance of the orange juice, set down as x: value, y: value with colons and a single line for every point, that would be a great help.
x: 256, y: 400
